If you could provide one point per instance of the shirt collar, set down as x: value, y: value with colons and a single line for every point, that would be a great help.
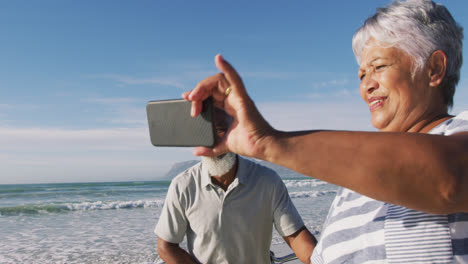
x: 242, y: 173
x: 205, y: 179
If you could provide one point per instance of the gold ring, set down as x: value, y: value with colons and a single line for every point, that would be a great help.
x: 228, y: 90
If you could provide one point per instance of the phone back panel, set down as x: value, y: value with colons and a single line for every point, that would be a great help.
x: 170, y: 124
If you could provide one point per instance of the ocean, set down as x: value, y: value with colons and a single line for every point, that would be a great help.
x: 110, y: 222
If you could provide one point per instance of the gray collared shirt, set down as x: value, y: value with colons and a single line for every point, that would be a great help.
x: 228, y: 227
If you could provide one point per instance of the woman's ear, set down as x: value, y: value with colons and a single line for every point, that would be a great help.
x: 437, y: 66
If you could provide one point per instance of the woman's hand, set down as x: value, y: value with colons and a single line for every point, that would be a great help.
x: 249, y: 132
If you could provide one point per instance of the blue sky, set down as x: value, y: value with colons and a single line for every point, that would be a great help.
x: 75, y: 76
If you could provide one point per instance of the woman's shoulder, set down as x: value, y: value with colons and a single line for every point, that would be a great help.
x: 457, y: 124
x: 463, y: 115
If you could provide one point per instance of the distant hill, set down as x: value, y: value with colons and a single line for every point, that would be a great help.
x: 178, y: 168
x: 283, y: 172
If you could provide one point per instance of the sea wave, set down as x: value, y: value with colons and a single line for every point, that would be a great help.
x: 307, y: 194
x: 90, y: 193
x: 18, y: 190
x: 21, y: 188
x: 82, y: 206
x: 303, y: 183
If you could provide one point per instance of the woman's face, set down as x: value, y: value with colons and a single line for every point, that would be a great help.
x: 396, y: 100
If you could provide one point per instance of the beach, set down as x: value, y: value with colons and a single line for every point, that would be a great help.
x: 111, y: 222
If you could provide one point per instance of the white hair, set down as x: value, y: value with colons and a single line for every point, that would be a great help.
x: 220, y: 165
x: 417, y: 27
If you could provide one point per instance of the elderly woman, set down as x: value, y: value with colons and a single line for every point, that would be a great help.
x: 405, y: 195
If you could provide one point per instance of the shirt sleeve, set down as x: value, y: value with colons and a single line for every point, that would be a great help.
x: 459, y: 124
x: 286, y: 218
x: 172, y: 223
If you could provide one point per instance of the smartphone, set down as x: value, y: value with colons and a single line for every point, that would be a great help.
x: 171, y: 125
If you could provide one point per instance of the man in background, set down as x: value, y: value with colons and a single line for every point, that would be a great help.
x: 226, y: 206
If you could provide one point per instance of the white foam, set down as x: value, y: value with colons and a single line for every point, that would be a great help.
x: 99, y: 232
x: 308, y: 194
x: 100, y: 205
x: 303, y: 183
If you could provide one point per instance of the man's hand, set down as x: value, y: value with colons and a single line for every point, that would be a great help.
x: 172, y: 254
x: 249, y: 132
x: 302, y: 243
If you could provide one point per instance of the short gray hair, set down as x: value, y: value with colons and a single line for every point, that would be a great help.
x: 417, y: 27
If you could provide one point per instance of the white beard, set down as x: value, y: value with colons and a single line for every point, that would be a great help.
x: 220, y: 165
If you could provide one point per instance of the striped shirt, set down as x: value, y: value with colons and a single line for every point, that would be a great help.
x: 359, y: 229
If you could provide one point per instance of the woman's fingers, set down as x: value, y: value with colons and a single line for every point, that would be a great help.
x: 203, y: 89
x: 230, y: 73
x: 219, y: 149
x: 197, y: 107
x: 213, y: 86
x: 234, y: 103
x: 186, y: 94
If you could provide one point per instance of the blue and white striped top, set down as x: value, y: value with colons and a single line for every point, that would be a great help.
x: 359, y: 229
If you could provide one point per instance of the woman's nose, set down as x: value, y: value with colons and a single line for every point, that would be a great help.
x: 369, y: 85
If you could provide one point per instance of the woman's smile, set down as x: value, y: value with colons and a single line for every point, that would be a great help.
x: 376, y: 103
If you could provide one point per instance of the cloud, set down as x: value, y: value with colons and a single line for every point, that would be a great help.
x: 334, y: 95
x: 33, y: 168
x: 112, y: 100
x: 23, y: 106
x: 303, y: 115
x: 130, y: 80
x: 155, y: 80
x: 30, y: 155
x: 198, y: 75
x: 123, y: 111
x: 331, y: 83
x: 273, y: 75
x: 5, y: 106
x: 39, y: 154
x: 124, y: 121
x: 56, y: 139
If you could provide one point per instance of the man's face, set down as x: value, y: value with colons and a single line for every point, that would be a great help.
x: 221, y: 121
x: 222, y: 164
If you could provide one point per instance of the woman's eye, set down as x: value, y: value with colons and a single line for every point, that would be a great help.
x: 380, y: 67
x: 362, y: 77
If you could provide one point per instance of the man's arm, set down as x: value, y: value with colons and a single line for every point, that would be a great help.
x: 302, y: 242
x: 172, y: 226
x: 172, y: 253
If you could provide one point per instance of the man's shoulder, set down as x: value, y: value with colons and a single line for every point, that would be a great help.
x: 259, y: 171
x: 187, y: 177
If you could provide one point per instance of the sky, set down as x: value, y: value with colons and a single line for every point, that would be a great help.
x: 75, y: 76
